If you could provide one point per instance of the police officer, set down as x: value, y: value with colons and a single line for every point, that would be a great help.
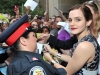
x: 20, y: 36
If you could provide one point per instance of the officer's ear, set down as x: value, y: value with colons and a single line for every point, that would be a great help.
x: 23, y: 41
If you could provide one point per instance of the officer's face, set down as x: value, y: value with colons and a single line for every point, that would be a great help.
x: 32, y: 41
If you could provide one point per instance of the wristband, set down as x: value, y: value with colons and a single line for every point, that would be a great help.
x: 59, y: 55
x: 53, y: 62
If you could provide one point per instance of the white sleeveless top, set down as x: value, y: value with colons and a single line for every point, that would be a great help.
x: 99, y: 55
x: 98, y: 39
x: 86, y: 72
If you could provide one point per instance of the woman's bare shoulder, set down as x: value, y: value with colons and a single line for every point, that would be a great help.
x: 85, y: 47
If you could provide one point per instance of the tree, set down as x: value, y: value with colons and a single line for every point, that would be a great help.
x: 7, y: 6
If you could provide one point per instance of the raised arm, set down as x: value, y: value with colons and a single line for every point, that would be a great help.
x: 63, y: 17
x: 84, y: 53
x: 56, y: 43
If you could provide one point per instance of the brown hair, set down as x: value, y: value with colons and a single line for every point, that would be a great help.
x: 86, y: 11
x: 95, y: 28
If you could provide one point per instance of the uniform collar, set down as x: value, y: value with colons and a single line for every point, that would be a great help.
x: 24, y: 53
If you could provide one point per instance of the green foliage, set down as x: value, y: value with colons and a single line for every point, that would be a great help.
x: 7, y: 6
x: 37, y: 11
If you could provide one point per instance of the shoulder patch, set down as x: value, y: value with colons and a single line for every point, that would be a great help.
x: 34, y: 58
x: 37, y: 70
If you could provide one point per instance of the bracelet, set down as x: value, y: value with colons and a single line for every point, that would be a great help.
x: 59, y: 55
x: 53, y: 62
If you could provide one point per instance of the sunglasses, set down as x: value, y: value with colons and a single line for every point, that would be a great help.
x: 3, y: 23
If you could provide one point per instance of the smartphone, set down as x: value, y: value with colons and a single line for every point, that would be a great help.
x: 57, y: 9
x: 15, y: 8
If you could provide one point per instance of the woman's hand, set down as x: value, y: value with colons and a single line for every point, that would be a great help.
x: 43, y: 37
x: 47, y: 56
x: 48, y: 48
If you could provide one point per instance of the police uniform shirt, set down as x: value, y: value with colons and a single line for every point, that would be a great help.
x: 28, y: 63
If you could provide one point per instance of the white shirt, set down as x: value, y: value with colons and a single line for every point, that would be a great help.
x: 99, y: 55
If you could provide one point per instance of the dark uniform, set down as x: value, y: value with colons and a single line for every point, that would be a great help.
x: 28, y: 63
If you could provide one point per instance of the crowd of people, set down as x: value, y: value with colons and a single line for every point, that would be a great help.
x: 70, y: 46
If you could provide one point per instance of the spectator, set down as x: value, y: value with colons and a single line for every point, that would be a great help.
x: 45, y: 30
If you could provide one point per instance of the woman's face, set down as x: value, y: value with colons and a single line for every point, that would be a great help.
x: 77, y: 21
x: 4, y: 26
x: 45, y: 31
x: 35, y: 25
x: 46, y: 24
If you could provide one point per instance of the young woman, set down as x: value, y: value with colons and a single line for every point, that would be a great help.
x: 45, y: 30
x: 85, y: 53
x: 95, y: 28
